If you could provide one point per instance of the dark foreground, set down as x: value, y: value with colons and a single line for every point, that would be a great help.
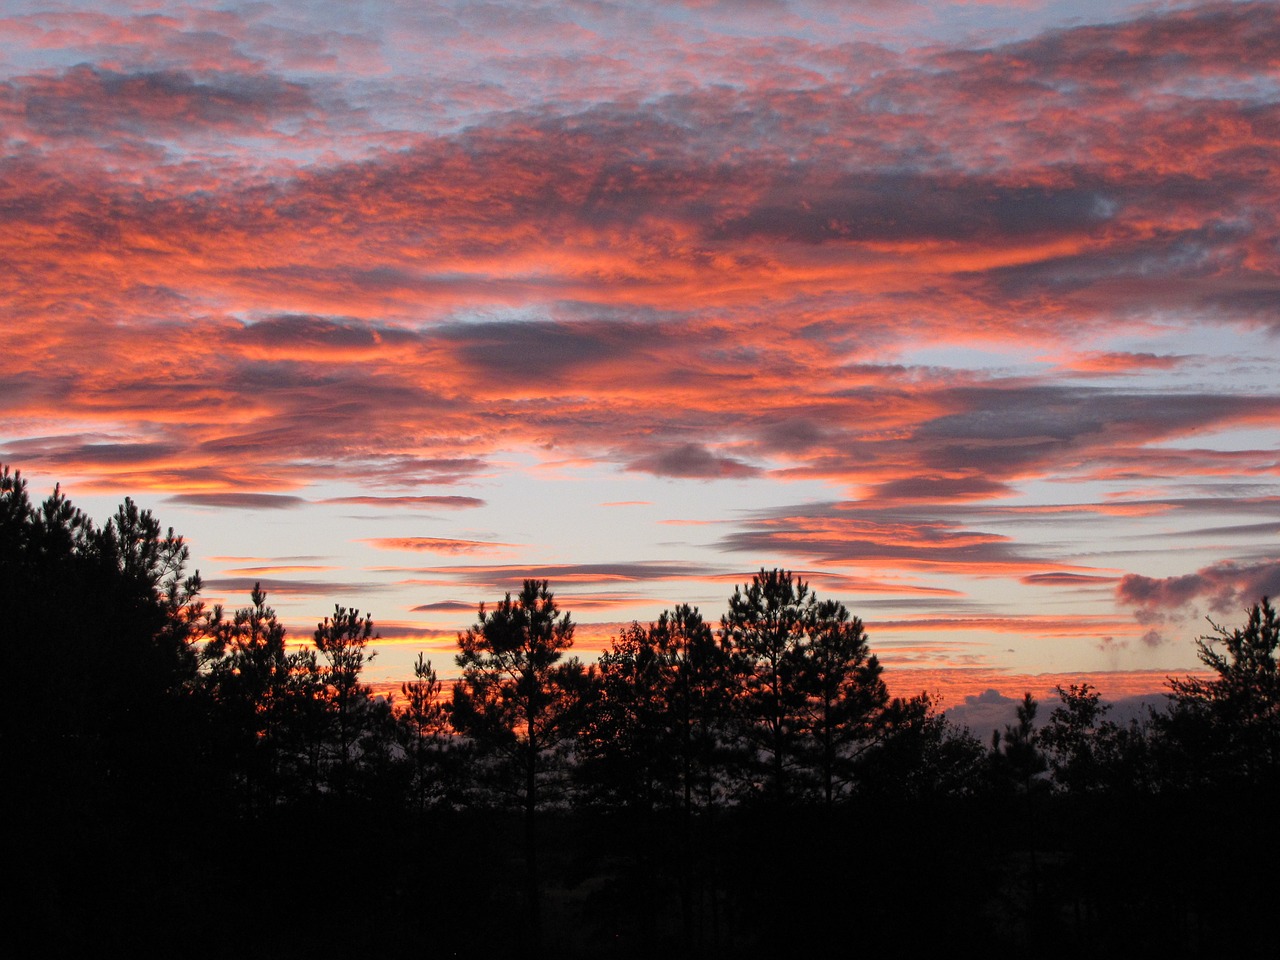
x: 1059, y: 876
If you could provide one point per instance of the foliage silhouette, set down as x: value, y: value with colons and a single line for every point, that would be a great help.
x: 920, y: 756
x: 424, y: 735
x: 1088, y: 753
x: 1017, y: 758
x: 518, y: 703
x: 844, y: 697
x: 342, y: 640
x: 765, y: 627
x: 258, y: 692
x: 657, y: 737
x: 113, y: 614
x: 1232, y: 718
x: 655, y: 734
x: 100, y: 731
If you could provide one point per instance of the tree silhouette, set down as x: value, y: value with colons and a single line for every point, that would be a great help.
x: 131, y: 722
x: 655, y: 733
x: 812, y: 697
x: 424, y: 727
x: 341, y: 640
x: 657, y: 737
x: 1088, y: 753
x: 260, y: 693
x: 626, y: 746
x: 765, y: 627
x: 844, y: 696
x: 919, y: 755
x: 517, y: 702
x: 1234, y: 715
x: 1017, y: 756
x: 100, y: 736
x: 112, y: 614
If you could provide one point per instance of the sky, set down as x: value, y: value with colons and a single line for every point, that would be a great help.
x: 967, y: 313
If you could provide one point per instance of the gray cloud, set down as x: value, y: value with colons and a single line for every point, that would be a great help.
x: 1065, y: 579
x: 900, y: 207
x: 985, y: 712
x: 692, y: 460
x: 242, y: 501
x: 88, y: 450
x: 1227, y: 587
x: 325, y: 333
x: 87, y: 98
x: 445, y: 606
x: 528, y: 350
x: 935, y: 489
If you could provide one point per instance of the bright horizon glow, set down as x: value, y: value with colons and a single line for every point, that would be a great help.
x: 966, y: 313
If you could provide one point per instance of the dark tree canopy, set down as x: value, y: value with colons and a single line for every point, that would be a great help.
x: 1233, y: 715
x: 845, y: 697
x: 519, y: 705
x: 514, y: 697
x: 657, y: 731
x: 812, y: 698
x: 111, y: 615
x: 765, y: 627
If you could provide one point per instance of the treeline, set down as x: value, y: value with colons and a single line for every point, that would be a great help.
x: 180, y: 775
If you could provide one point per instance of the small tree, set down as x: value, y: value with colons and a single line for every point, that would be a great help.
x: 1017, y: 758
x: 627, y: 751
x: 341, y: 640
x: 1089, y: 753
x: 423, y: 724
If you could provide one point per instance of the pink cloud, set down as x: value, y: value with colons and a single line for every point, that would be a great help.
x: 436, y: 545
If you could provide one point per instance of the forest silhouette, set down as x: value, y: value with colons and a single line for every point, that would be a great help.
x: 183, y: 779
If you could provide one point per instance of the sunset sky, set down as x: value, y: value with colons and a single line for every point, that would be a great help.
x: 966, y: 312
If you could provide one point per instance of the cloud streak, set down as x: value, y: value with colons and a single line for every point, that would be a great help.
x: 436, y: 545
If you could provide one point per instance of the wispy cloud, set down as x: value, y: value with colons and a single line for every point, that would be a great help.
x: 412, y: 502
x: 436, y: 545
x: 243, y: 501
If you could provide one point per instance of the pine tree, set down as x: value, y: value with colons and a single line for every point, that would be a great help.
x: 424, y: 728
x: 342, y: 640
x: 765, y: 629
x: 844, y: 696
x: 518, y: 704
x: 260, y: 694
